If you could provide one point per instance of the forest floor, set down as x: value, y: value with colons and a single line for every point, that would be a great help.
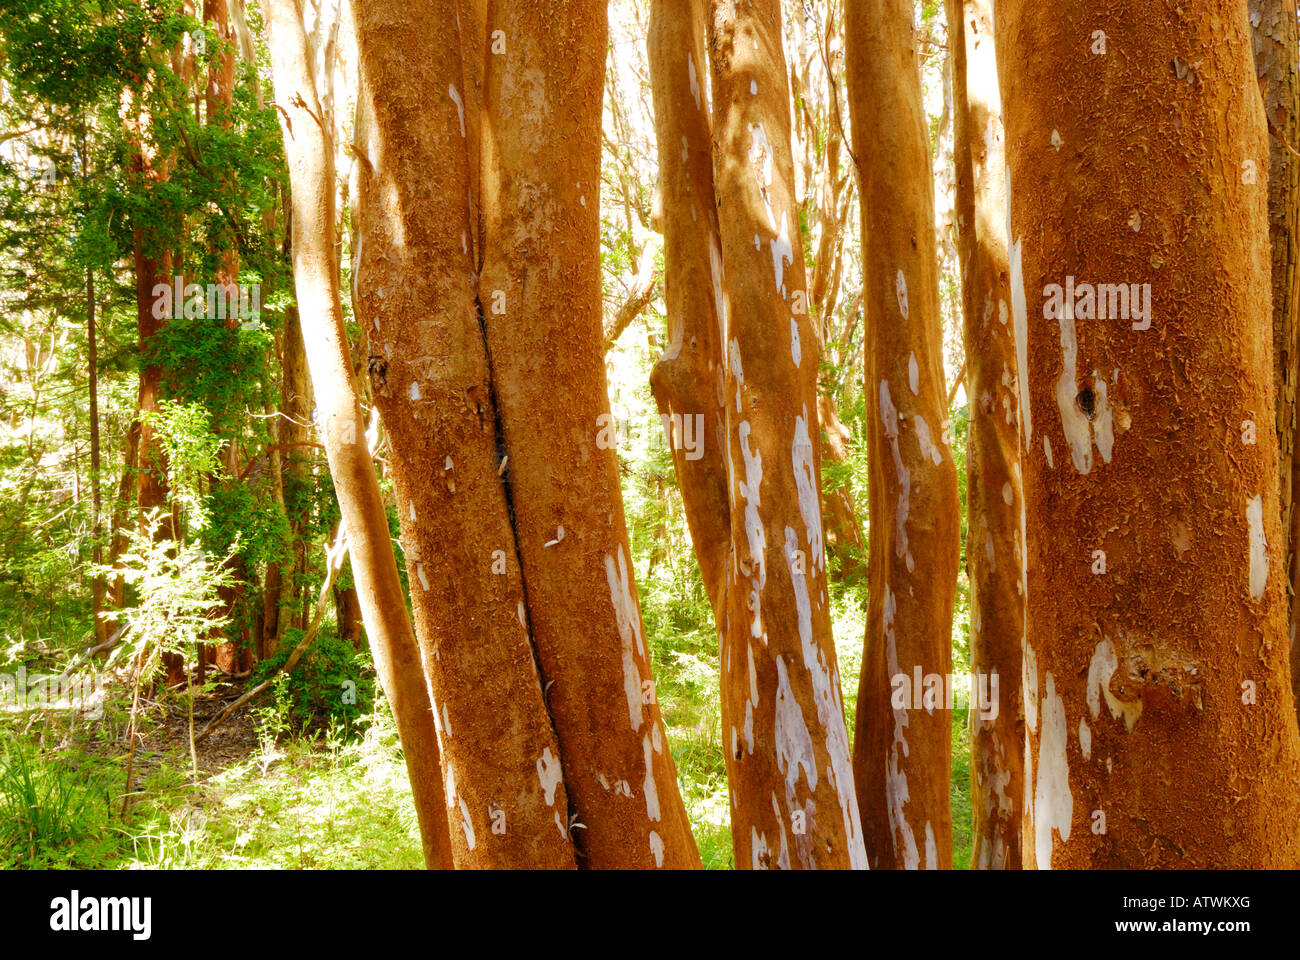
x: 262, y: 797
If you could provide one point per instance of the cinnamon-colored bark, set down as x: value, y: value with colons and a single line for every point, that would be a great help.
x: 903, y: 746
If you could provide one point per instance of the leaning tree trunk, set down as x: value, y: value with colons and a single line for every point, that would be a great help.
x: 383, y: 604
x: 788, y: 764
x: 686, y: 378
x: 1157, y: 701
x: 994, y: 548
x: 430, y: 376
x: 1276, y: 35
x: 540, y: 295
x: 903, y: 747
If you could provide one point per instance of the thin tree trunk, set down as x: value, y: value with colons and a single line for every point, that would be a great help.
x: 685, y: 381
x: 1160, y: 728
x: 1276, y: 36
x: 791, y: 780
x: 383, y: 604
x: 994, y: 499
x: 96, y: 502
x: 540, y: 297
x: 903, y: 746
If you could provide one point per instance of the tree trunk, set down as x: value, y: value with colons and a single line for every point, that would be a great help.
x: 430, y: 376
x: 540, y: 295
x: 903, y: 746
x: 791, y: 780
x: 1160, y: 727
x: 96, y: 502
x: 1275, y: 34
x: 686, y: 380
x: 383, y: 604
x: 994, y: 550
x: 347, y: 609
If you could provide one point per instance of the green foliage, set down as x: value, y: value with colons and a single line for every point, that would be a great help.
x: 332, y: 685
x: 45, y: 804
x: 176, y: 588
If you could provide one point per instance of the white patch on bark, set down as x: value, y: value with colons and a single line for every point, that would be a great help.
x: 913, y: 375
x: 757, y: 537
x: 1029, y: 683
x: 419, y: 572
x: 783, y: 253
x: 549, y: 775
x: 415, y: 390
x: 1101, y: 668
x: 460, y: 106
x: 900, y: 291
x: 1258, y: 547
x: 1019, y: 318
x: 694, y: 78
x: 928, y: 449
x: 1085, y: 739
x: 889, y: 418
x: 830, y: 711
x: 931, y: 848
x: 629, y: 631
x: 896, y: 791
x: 1047, y: 452
x: 719, y: 298
x: 757, y: 848
x: 1077, y: 429
x: 649, y: 786
x: 1053, y: 803
x: 657, y: 848
x: 794, y: 745
x: 805, y: 481
x: 466, y: 825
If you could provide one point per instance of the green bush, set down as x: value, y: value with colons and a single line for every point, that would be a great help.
x: 332, y: 686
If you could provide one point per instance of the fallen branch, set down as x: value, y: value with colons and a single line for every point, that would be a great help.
x: 334, y: 557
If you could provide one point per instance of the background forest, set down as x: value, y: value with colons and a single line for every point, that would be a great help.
x: 144, y: 139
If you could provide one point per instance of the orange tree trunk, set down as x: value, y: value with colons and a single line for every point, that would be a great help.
x: 1160, y: 725
x: 687, y: 379
x: 788, y: 764
x: 903, y: 747
x: 374, y: 570
x: 430, y: 376
x: 541, y: 301
x: 994, y: 503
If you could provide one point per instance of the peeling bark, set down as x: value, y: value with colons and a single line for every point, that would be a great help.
x: 902, y: 752
x: 789, y: 770
x: 1160, y: 726
x: 994, y: 552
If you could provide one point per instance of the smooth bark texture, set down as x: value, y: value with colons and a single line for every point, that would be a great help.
x: 903, y: 746
x: 788, y: 765
x: 687, y: 380
x: 1159, y: 718
x: 431, y: 379
x: 374, y: 570
x: 541, y: 300
x: 994, y: 551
